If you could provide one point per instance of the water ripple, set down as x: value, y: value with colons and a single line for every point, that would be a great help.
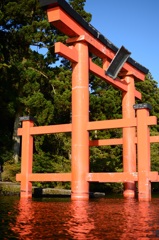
x: 62, y: 219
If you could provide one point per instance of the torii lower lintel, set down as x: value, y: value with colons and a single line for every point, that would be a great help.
x: 71, y: 54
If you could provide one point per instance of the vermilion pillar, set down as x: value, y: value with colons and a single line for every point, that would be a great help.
x: 143, y: 152
x: 129, y: 148
x: 80, y: 118
x: 26, y: 157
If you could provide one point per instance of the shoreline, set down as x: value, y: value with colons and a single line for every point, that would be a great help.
x: 13, y: 189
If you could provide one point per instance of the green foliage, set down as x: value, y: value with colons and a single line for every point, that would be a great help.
x: 53, y: 150
x: 78, y: 6
x: 10, y: 170
x: 27, y: 77
x: 150, y: 94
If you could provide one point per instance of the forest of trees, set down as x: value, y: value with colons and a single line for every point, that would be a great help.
x: 34, y: 84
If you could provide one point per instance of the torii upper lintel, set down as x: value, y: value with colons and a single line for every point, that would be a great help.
x: 79, y: 27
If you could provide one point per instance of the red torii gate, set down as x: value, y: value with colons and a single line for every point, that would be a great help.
x: 83, y: 39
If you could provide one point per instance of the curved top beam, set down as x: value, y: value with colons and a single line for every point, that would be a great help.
x: 47, y: 4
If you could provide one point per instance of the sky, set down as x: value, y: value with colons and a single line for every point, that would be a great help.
x: 131, y: 23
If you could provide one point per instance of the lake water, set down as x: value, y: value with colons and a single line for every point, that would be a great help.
x: 98, y: 219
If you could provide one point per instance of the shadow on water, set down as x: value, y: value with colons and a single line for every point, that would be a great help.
x: 61, y: 218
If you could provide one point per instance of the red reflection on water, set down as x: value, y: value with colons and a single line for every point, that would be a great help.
x: 56, y: 220
x: 81, y: 223
x: 25, y: 219
x: 100, y: 219
x: 137, y: 219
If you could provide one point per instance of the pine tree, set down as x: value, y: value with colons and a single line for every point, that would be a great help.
x: 33, y: 86
x: 78, y: 6
x: 27, y: 77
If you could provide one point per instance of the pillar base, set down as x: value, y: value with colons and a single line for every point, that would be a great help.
x: 129, y: 194
x: 144, y: 188
x: 25, y: 194
x: 144, y: 197
x: 26, y: 190
x: 130, y: 190
x: 79, y: 196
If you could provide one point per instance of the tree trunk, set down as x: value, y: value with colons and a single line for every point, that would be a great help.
x: 16, y: 140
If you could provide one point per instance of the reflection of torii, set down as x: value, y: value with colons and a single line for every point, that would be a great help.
x: 81, y: 222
